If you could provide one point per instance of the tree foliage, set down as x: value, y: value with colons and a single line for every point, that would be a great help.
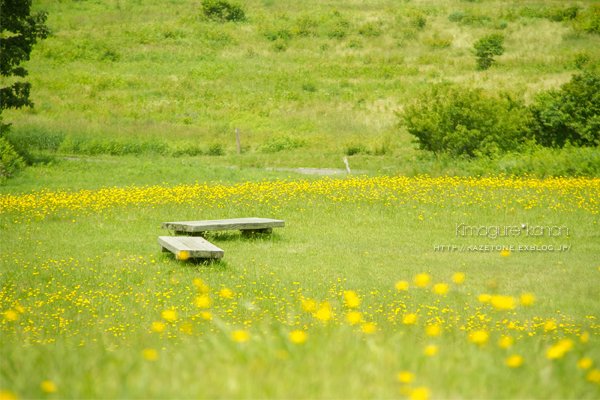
x: 486, y: 48
x: 20, y: 31
x: 470, y: 122
x: 223, y: 10
x: 571, y: 114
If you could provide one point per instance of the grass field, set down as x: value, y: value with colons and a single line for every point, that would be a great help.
x: 373, y: 289
x: 332, y: 305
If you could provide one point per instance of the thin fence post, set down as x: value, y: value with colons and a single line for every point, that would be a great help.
x: 237, y: 137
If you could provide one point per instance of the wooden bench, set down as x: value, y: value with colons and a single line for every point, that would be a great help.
x: 246, y: 225
x: 190, y: 247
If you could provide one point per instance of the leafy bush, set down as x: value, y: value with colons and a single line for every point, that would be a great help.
x: 589, y: 21
x: 223, y: 11
x: 10, y: 161
x: 558, y: 13
x: 487, y: 47
x: 354, y: 147
x: 571, y: 114
x: 369, y: 30
x: 216, y: 149
x: 280, y: 142
x: 461, y: 121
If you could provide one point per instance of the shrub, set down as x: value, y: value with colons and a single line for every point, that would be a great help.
x: 223, y: 11
x: 280, y: 142
x: 215, y: 149
x: 369, y: 30
x: 354, y: 147
x: 571, y: 114
x: 558, y: 14
x: 589, y: 21
x: 461, y: 121
x: 487, y: 47
x: 10, y: 161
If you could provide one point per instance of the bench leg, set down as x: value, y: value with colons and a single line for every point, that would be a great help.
x: 184, y: 233
x: 249, y: 232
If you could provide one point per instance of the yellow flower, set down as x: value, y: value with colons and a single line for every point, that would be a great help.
x: 240, y: 336
x: 505, y: 342
x: 352, y: 300
x: 479, y: 337
x: 183, y: 255
x: 11, y: 315
x: 585, y: 336
x: 324, y: 312
x: 459, y: 277
x: 298, y: 336
x: 150, y: 354
x: 549, y: 326
x: 369, y: 328
x: 431, y: 350
x: 158, y: 326
x: 514, y: 361
x: 202, y: 287
x: 7, y: 395
x: 206, y: 315
x: 527, y: 299
x: 354, y: 317
x: 420, y: 393
x: 505, y: 252
x: 169, y: 315
x: 203, y: 301
x: 49, y: 387
x: 309, y: 305
x: 559, y: 349
x: 406, y: 377
x: 433, y: 330
x: 593, y: 376
x: 440, y: 288
x: 503, y: 302
x: 402, y: 285
x: 484, y: 298
x: 409, y: 319
x: 186, y: 327
x: 226, y: 293
x: 585, y: 363
x: 422, y: 280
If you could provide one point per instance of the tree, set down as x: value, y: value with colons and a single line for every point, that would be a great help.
x: 486, y: 48
x: 20, y: 31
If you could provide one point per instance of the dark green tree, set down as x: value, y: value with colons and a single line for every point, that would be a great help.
x: 486, y: 48
x: 21, y: 30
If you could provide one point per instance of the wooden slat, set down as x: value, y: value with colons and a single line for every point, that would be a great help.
x: 224, y: 224
x: 197, y: 247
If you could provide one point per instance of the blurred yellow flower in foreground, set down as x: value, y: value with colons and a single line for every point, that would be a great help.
x: 226, y: 293
x: 298, y: 336
x: 241, y: 336
x: 422, y: 280
x: 559, y: 349
x: 593, y: 376
x: 585, y: 363
x: 354, y: 317
x: 431, y: 350
x: 527, y: 299
x: 406, y: 377
x: 351, y: 298
x: 505, y: 252
x: 433, y: 330
x: 150, y: 354
x: 459, y: 277
x: 309, y: 305
x: 203, y: 301
x: 11, y: 315
x: 169, y: 315
x: 514, y: 361
x: 505, y: 342
x: 484, y: 298
x: 183, y: 255
x: 369, y: 328
x: 479, y: 337
x: 402, y: 285
x: 324, y: 312
x: 502, y: 302
x: 158, y: 326
x: 7, y: 395
x: 440, y: 288
x: 409, y: 319
x: 585, y: 336
x: 420, y: 393
x: 49, y: 387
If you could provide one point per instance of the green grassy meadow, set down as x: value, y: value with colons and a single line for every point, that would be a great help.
x: 352, y: 299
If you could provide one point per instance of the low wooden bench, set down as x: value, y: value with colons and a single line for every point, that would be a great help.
x: 190, y: 247
x: 246, y: 225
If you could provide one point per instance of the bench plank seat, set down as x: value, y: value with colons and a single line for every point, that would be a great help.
x: 264, y: 225
x: 196, y: 247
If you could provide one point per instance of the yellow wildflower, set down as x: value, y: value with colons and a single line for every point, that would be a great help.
x: 420, y: 393
x: 354, y: 317
x: 479, y: 337
x: 593, y: 376
x: 206, y: 315
x: 431, y: 350
x: 402, y: 285
x: 422, y: 280
x: 324, y: 312
x: 505, y: 252
x: 527, y: 299
x: 11, y: 315
x: 505, y: 342
x: 226, y: 293
x: 514, y: 361
x: 549, y: 326
x: 459, y: 277
x: 150, y: 354
x: 502, y: 302
x: 49, y: 387
x: 298, y: 336
x: 203, y: 301
x: 169, y: 315
x: 183, y: 255
x: 409, y: 319
x: 440, y: 288
x: 352, y: 300
x: 585, y: 363
x: 406, y: 377
x: 484, y: 298
x: 241, y: 336
x: 7, y: 395
x: 433, y: 330
x: 158, y: 326
x: 309, y: 305
x: 369, y: 328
